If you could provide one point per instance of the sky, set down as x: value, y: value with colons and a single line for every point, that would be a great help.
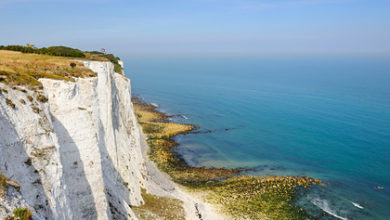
x: 200, y: 26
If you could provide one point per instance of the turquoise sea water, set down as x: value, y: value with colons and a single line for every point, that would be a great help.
x: 319, y: 116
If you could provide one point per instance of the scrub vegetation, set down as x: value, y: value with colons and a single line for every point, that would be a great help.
x: 96, y: 55
x: 156, y: 207
x: 21, y: 214
x: 53, y: 51
x: 241, y: 197
x: 23, y: 66
x: 3, y: 184
x: 24, y: 69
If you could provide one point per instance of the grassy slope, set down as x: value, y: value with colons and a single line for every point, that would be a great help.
x: 3, y: 184
x: 18, y: 68
x: 159, y: 208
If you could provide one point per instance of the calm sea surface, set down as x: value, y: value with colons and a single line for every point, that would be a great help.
x: 319, y: 116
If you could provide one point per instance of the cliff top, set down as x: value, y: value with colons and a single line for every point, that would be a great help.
x: 18, y: 68
x: 21, y: 65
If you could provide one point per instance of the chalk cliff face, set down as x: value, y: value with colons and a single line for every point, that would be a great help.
x: 76, y: 156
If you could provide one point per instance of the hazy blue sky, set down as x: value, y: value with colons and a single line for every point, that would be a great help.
x: 166, y: 26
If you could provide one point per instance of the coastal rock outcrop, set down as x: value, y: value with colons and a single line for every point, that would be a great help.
x: 73, y: 147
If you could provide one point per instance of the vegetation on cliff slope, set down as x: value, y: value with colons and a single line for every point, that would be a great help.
x: 96, y: 55
x: 20, y: 65
x: 3, y: 184
x: 53, y: 51
x: 18, y: 68
x: 156, y: 207
x: 21, y: 214
x: 67, y: 52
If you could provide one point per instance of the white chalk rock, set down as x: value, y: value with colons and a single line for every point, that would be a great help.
x: 78, y: 155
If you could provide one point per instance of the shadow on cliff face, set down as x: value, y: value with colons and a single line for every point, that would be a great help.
x: 79, y: 191
x: 16, y: 164
x: 112, y: 178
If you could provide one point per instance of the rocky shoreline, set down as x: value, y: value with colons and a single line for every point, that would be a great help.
x: 76, y: 150
x: 238, y: 196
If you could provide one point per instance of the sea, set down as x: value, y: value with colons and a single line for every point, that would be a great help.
x: 322, y: 116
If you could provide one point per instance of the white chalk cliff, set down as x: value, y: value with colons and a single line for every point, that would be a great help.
x: 81, y: 154
x: 76, y: 156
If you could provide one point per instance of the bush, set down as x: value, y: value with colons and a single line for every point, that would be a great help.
x: 118, y: 68
x: 63, y: 51
x: 22, y: 214
x: 73, y: 65
x: 3, y: 183
x: 54, y: 51
x: 112, y: 58
x: 95, y: 52
x: 41, y: 98
x: 22, y: 49
x: 115, y: 60
x: 10, y: 103
x: 35, y: 109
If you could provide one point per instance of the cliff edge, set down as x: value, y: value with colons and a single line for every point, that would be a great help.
x: 76, y: 153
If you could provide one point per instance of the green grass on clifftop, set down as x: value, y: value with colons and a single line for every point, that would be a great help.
x: 63, y: 51
x: 18, y: 68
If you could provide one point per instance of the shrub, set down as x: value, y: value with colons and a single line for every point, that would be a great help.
x: 54, y: 51
x: 34, y: 108
x: 22, y: 101
x: 30, y: 98
x: 10, y: 103
x: 118, y: 68
x: 95, y: 52
x: 115, y: 60
x: 41, y: 98
x: 22, y: 214
x: 63, y: 51
x: 3, y: 183
x: 111, y: 58
x: 19, y: 48
x: 73, y: 65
